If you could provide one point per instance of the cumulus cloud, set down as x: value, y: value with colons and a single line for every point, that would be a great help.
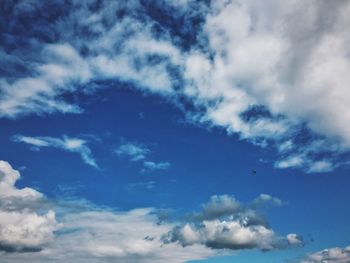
x: 139, y: 153
x: 66, y: 231
x: 271, y: 72
x: 21, y: 227
x: 225, y: 223
x: 104, y: 236
x: 74, y: 145
x: 75, y: 230
x: 331, y: 255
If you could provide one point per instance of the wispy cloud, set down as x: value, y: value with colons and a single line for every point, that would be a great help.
x: 156, y: 166
x: 70, y: 144
x: 266, y: 78
x: 134, y: 151
x: 140, y: 153
x: 269, y: 77
x: 149, y: 185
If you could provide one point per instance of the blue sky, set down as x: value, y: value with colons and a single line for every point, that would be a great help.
x: 180, y: 131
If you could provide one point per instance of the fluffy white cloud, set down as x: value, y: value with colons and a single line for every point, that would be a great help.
x: 331, y: 255
x: 288, y: 57
x: 8, y: 178
x: 225, y: 234
x: 83, y: 233
x: 66, y: 231
x: 75, y: 145
x: 132, y: 236
x: 21, y: 227
x: 226, y: 223
x: 105, y: 236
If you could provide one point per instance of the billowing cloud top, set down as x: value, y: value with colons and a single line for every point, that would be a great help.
x: 226, y: 223
x: 21, y: 227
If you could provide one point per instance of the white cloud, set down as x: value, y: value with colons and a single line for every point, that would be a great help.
x: 22, y: 228
x: 225, y: 234
x: 321, y: 166
x: 331, y: 255
x: 134, y: 151
x: 220, y: 205
x: 290, y: 161
x: 291, y: 58
x: 265, y: 199
x: 149, y: 165
x: 132, y: 236
x: 225, y: 223
x: 295, y: 240
x: 80, y: 232
x: 313, y: 166
x: 8, y: 178
x: 66, y: 231
x: 138, y: 152
x: 25, y: 231
x: 40, y: 94
x: 75, y: 145
x: 260, y: 58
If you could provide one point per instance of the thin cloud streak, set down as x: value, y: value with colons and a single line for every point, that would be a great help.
x: 69, y: 144
x: 137, y: 152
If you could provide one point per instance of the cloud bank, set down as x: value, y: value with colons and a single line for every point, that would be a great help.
x: 35, y: 228
x: 274, y: 72
x: 62, y: 231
